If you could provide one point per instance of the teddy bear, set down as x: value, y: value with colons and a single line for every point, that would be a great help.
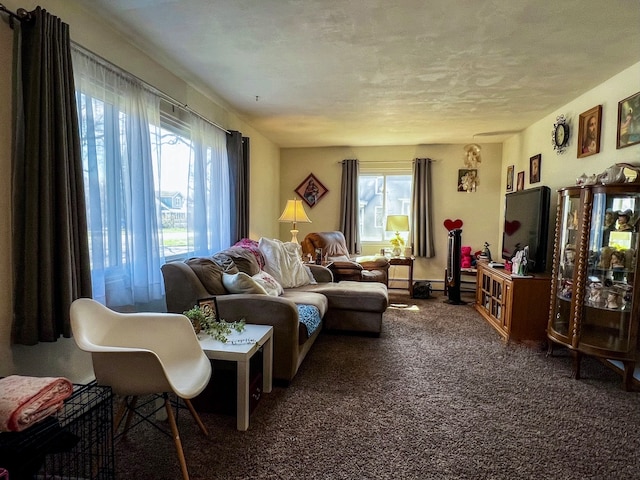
x: 465, y: 257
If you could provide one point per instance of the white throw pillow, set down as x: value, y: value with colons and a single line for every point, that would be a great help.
x: 269, y: 283
x: 241, y: 283
x: 283, y: 262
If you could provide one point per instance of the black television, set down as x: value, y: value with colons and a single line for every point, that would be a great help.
x: 526, y: 223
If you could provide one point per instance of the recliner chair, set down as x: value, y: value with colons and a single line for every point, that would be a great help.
x: 345, y: 266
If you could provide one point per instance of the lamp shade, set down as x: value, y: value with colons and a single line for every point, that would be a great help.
x: 397, y: 223
x: 294, y: 212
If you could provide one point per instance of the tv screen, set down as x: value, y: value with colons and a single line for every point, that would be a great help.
x: 526, y: 223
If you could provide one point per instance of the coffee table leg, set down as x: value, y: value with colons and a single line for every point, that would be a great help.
x: 242, y: 409
x: 267, y: 365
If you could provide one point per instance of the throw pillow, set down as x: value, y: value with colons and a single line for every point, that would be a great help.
x: 269, y: 283
x: 241, y: 283
x: 209, y: 273
x: 283, y: 262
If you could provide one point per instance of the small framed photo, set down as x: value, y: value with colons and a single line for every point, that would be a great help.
x: 311, y: 190
x: 589, y: 132
x: 520, y: 181
x: 534, y: 168
x: 209, y: 307
x: 629, y: 121
x: 467, y: 179
x: 510, y: 170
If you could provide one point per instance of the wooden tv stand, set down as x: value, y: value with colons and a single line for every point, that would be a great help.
x: 517, y: 307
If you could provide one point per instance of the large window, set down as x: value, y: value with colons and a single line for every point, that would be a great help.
x: 156, y: 183
x: 381, y: 195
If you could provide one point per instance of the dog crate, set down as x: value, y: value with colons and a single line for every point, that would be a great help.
x: 74, y: 444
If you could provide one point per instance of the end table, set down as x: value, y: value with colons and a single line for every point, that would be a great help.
x: 406, y: 262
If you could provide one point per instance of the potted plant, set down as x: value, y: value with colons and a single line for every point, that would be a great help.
x: 218, y: 329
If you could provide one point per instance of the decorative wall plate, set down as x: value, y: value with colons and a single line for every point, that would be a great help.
x: 560, y: 134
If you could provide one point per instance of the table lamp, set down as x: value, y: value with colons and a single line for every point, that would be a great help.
x: 397, y: 223
x: 294, y: 213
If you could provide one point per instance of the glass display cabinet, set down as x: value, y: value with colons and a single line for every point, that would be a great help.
x: 594, y: 302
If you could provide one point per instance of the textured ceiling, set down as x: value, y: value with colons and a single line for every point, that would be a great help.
x: 375, y: 72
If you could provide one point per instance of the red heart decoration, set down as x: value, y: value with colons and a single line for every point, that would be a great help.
x: 511, y: 227
x: 452, y: 224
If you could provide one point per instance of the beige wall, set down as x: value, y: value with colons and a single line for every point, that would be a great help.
x: 476, y: 210
x: 62, y: 358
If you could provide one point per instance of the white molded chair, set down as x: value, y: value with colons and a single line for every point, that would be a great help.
x: 141, y: 354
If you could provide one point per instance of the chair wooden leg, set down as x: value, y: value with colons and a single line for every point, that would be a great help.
x: 131, y: 412
x: 196, y: 417
x: 176, y: 437
x: 120, y: 415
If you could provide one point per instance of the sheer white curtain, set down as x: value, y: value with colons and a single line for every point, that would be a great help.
x: 208, y: 199
x: 123, y: 135
x: 118, y: 122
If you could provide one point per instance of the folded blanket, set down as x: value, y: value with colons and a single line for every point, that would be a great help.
x: 25, y: 401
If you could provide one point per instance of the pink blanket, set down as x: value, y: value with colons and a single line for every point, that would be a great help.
x: 27, y: 400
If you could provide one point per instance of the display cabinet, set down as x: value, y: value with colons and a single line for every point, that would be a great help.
x: 516, y: 307
x: 594, y: 296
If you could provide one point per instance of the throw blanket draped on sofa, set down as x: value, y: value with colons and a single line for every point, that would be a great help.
x: 25, y: 401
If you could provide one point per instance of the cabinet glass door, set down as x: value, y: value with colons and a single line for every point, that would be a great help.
x: 569, y: 211
x: 612, y: 250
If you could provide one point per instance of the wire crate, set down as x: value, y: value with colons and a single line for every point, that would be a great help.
x: 74, y: 444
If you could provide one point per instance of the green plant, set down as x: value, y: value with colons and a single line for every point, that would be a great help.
x: 217, y: 329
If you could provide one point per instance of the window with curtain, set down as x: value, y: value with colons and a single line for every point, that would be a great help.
x: 382, y: 194
x: 156, y: 183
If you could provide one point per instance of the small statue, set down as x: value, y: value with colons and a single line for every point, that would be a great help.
x: 613, y: 300
x: 617, y: 260
x: 486, y: 252
x: 624, y: 221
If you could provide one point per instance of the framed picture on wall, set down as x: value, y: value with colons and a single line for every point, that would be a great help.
x: 589, y: 132
x: 628, y: 121
x: 467, y: 179
x: 534, y: 168
x: 510, y: 169
x: 311, y: 190
x: 520, y: 181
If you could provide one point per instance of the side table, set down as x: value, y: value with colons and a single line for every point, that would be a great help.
x: 240, y: 347
x: 406, y: 262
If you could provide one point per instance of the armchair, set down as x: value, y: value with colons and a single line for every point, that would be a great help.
x: 345, y: 266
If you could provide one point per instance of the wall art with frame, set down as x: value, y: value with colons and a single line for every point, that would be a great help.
x: 311, y: 190
x: 628, y: 121
x: 520, y: 185
x: 589, y: 125
x: 510, y: 170
x: 535, y: 163
x: 209, y: 307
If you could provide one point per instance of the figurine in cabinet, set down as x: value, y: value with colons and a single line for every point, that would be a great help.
x: 617, y: 260
x: 595, y: 295
x: 613, y: 300
x: 624, y: 221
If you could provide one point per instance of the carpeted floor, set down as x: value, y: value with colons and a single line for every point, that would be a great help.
x: 437, y: 396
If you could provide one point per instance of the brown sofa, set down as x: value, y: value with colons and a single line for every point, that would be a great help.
x: 344, y: 265
x: 346, y: 305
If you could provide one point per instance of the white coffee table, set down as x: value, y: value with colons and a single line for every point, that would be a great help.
x: 238, y: 349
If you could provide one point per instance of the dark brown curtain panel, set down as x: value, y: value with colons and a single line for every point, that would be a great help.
x: 50, y: 248
x: 238, y: 152
x: 349, y: 205
x: 422, y: 205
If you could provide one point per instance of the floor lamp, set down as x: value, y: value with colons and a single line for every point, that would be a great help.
x: 294, y: 213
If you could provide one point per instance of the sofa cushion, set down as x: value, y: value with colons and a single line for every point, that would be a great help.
x: 283, y: 261
x: 209, y: 273
x: 350, y: 295
x: 270, y: 284
x: 241, y: 283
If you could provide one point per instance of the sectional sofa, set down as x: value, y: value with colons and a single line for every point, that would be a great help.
x: 266, y: 283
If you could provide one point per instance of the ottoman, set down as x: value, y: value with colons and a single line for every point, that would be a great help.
x: 355, y: 306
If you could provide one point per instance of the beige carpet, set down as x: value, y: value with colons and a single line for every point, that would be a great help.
x: 437, y: 396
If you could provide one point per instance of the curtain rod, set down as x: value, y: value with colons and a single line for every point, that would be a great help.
x: 385, y: 161
x: 114, y: 68
x: 20, y: 15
